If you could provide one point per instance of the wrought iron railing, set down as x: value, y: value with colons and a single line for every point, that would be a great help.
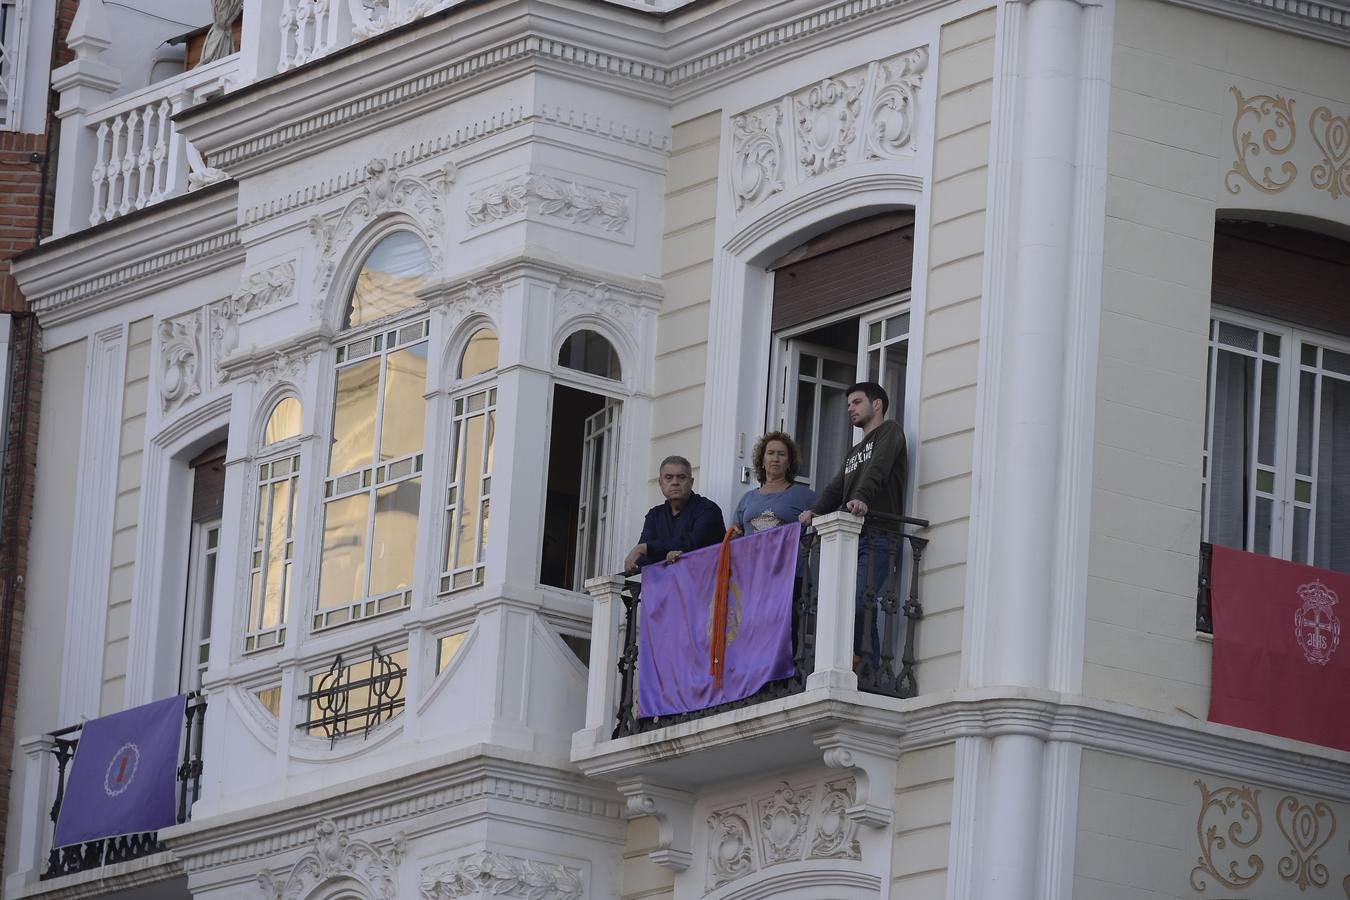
x: 883, y: 616
x: 106, y: 851
x: 1204, y: 620
x: 352, y: 698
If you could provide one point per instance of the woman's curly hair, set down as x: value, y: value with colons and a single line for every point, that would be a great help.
x: 794, y: 455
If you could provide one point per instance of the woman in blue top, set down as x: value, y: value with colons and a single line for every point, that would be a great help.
x: 778, y: 499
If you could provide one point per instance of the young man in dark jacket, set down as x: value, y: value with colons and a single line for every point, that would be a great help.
x: 871, y: 481
x: 685, y: 521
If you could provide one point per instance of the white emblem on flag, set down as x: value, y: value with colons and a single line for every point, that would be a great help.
x: 121, y: 769
x: 1316, y: 627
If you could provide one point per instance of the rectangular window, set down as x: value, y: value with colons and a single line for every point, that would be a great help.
x: 469, y: 495
x: 13, y: 31
x: 373, y: 488
x: 273, y: 553
x: 1277, y: 423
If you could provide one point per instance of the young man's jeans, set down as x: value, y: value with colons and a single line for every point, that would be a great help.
x: 874, y: 563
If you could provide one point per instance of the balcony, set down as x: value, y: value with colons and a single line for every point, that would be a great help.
x: 843, y: 707
x: 60, y: 867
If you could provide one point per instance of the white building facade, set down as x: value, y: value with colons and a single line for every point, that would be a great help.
x: 362, y: 345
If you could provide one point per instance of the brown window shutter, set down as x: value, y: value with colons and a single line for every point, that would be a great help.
x: 1296, y: 276
x: 208, y: 483
x: 854, y: 264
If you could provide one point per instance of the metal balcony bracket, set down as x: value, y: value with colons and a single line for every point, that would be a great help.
x: 873, y: 759
x: 674, y: 813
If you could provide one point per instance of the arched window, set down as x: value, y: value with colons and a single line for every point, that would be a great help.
x: 469, y: 496
x: 283, y: 422
x: 1277, y: 427
x: 373, y: 484
x: 588, y: 351
x: 397, y: 267
x: 271, y: 559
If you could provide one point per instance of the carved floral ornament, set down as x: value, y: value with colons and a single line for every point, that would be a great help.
x: 180, y: 357
x: 1265, y: 134
x: 790, y: 824
x: 825, y: 121
x: 566, y: 201
x: 491, y: 874
x: 337, y: 857
x: 1229, y: 830
x: 258, y: 291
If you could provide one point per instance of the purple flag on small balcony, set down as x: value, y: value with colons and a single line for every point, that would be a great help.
x: 674, y: 628
x: 124, y: 777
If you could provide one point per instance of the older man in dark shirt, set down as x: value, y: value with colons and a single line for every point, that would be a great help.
x: 686, y: 521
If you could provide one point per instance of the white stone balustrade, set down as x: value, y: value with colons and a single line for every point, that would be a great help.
x: 139, y: 157
x: 309, y: 29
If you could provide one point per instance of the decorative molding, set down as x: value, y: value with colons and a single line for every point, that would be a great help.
x: 578, y: 205
x: 731, y: 842
x: 385, y: 190
x: 1228, y: 816
x: 596, y: 299
x: 1332, y: 136
x: 1302, y: 826
x: 835, y: 836
x: 782, y: 823
x: 1315, y: 19
x: 180, y: 360
x: 284, y: 360
x: 873, y: 758
x: 337, y: 856
x: 674, y: 813
x: 1277, y: 139
x: 756, y: 155
x: 893, y: 112
x: 827, y: 122
x: 488, y: 873
x: 256, y: 292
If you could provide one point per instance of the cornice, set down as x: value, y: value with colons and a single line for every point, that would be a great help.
x: 1320, y: 20
x: 476, y: 774
x: 164, y: 245
x: 1168, y: 739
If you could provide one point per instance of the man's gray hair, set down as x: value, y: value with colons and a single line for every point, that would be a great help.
x: 676, y: 461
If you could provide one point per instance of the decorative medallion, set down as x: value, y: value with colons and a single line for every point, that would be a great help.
x: 1316, y: 627
x: 827, y: 122
x: 756, y: 156
x: 490, y: 874
x: 1332, y: 136
x: 1229, y: 821
x: 1274, y: 116
x: 337, y: 857
x: 731, y: 852
x: 1307, y: 828
x: 836, y: 837
x: 782, y: 824
x: 893, y: 110
x: 180, y: 358
x: 597, y: 299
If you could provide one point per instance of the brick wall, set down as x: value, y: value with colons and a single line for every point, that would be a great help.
x: 20, y: 188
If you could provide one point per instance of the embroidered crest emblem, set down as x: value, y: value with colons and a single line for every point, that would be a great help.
x: 121, y: 769
x: 1316, y: 627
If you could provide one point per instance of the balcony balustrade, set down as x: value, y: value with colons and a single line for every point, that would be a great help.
x: 825, y: 618
x: 76, y: 858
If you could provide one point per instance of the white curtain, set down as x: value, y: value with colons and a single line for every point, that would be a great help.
x: 219, y: 43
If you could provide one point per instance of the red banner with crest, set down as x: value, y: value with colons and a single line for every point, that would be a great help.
x: 1279, y: 666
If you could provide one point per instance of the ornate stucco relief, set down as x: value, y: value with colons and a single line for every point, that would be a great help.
x: 1268, y: 155
x: 386, y: 189
x: 792, y: 823
x: 866, y: 113
x: 337, y: 856
x: 568, y: 202
x: 1229, y: 823
x: 180, y: 360
x: 490, y: 874
x: 257, y: 292
x: 1308, y: 827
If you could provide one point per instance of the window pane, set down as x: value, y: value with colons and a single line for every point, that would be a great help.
x: 405, y: 381
x: 1300, y: 549
x: 805, y: 429
x: 342, y: 571
x: 1237, y: 336
x: 276, y: 554
x: 1331, y: 528
x: 1265, y: 510
x: 1270, y: 381
x: 465, y: 538
x: 894, y: 380
x: 397, y: 267
x: 391, y: 561
x: 589, y: 351
x: 1230, y: 450
x: 354, y: 417
x: 446, y: 648
x: 480, y: 355
x: 1307, y: 386
x: 284, y: 422
x: 838, y: 372
x: 897, y: 326
x: 1336, y: 362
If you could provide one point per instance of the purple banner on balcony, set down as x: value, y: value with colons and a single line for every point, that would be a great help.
x: 124, y: 777
x: 674, y: 632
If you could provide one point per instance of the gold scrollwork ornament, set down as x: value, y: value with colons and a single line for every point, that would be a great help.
x: 1239, y: 809
x: 1332, y: 174
x: 1302, y: 826
x: 1277, y: 138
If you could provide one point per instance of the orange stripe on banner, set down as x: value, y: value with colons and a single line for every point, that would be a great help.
x: 717, y: 645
